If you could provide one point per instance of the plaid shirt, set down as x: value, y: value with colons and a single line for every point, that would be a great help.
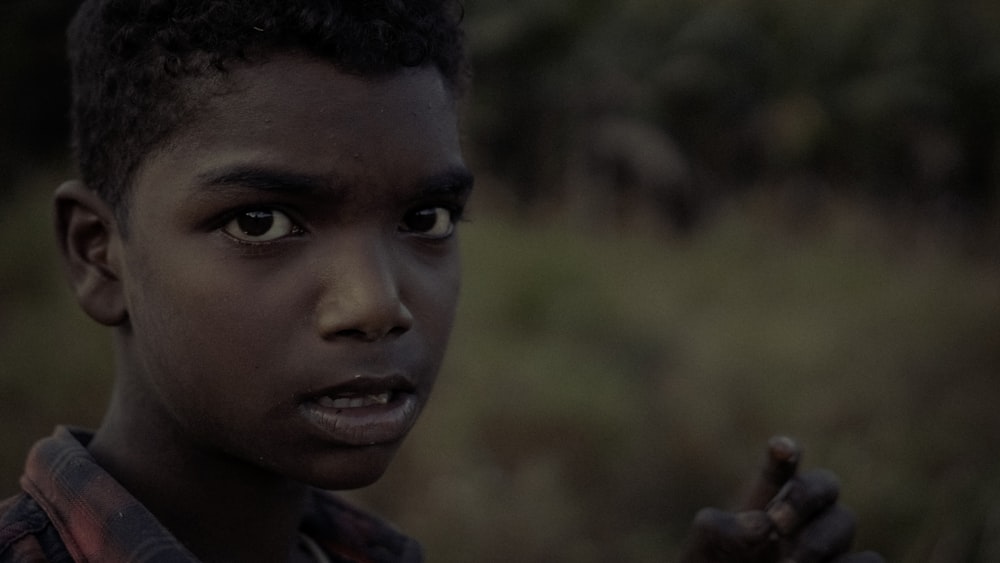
x: 72, y: 510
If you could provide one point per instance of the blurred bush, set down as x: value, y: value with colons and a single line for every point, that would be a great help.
x: 34, y: 86
x: 894, y: 99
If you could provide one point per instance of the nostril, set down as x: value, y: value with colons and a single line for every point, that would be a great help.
x: 371, y: 335
x: 352, y: 333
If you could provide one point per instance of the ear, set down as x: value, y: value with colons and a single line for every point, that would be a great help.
x: 90, y: 243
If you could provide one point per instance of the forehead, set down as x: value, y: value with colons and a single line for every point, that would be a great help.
x: 303, y: 116
x: 297, y: 90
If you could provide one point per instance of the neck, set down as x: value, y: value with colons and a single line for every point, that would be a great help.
x: 221, y: 508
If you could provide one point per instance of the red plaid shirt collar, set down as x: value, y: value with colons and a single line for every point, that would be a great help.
x: 98, y: 520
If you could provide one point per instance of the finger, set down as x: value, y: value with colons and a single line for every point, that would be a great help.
x: 719, y: 536
x: 802, y: 498
x: 862, y: 557
x: 782, y: 461
x: 826, y: 536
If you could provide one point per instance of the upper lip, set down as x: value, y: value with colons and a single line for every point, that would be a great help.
x: 361, y: 385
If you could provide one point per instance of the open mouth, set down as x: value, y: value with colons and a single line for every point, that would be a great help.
x: 361, y: 392
x: 365, y: 411
x: 354, y: 402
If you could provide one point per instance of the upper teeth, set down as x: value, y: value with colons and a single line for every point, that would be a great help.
x: 354, y: 402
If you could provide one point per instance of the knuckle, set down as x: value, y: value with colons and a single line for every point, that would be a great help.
x: 710, y: 520
x: 828, y: 535
x: 821, y: 479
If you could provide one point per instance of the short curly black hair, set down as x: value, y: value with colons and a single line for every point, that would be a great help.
x: 133, y: 62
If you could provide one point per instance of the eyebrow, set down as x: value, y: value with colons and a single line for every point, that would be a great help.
x: 242, y: 177
x: 456, y: 181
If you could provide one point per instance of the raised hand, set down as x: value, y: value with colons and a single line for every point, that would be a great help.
x: 787, y: 517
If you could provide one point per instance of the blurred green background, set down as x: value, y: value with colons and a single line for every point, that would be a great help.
x: 697, y: 224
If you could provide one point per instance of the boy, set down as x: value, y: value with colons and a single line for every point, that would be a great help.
x: 266, y: 217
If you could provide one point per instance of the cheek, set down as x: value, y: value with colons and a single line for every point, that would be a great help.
x: 437, y: 290
x: 202, y: 340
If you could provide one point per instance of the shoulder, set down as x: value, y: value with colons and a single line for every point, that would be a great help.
x: 27, y: 534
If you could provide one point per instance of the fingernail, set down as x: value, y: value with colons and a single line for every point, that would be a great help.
x: 783, y: 448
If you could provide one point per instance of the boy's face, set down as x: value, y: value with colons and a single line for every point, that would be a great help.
x: 290, y: 271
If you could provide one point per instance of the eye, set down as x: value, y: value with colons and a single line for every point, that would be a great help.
x: 430, y: 222
x: 260, y: 225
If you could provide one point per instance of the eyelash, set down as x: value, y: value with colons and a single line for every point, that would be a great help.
x: 455, y: 212
x: 455, y: 216
x: 275, y: 215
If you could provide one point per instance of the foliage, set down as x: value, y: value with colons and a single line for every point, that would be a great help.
x: 880, y: 97
x: 34, y: 85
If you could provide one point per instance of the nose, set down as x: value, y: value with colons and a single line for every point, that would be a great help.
x: 361, y: 298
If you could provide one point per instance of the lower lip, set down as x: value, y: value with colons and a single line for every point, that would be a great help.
x: 364, y: 426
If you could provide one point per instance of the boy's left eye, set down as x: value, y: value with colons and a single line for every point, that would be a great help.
x: 260, y: 225
x: 430, y: 222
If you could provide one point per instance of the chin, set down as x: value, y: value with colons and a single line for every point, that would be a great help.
x: 359, y: 468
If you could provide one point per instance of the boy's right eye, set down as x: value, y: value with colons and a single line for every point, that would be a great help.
x: 260, y: 225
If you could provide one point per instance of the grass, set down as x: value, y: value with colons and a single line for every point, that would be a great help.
x: 603, y: 385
